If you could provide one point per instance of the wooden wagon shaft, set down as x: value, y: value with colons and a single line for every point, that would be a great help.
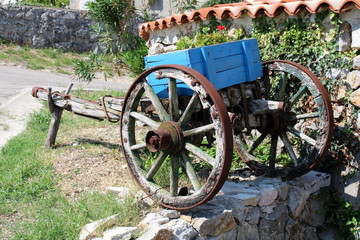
x: 106, y: 108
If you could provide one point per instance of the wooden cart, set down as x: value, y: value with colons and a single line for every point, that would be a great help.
x: 182, y: 117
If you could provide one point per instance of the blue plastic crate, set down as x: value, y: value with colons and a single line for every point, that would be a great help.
x: 224, y: 65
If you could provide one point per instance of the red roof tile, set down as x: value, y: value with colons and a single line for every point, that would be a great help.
x: 253, y: 8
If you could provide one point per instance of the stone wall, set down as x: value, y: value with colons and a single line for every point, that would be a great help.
x: 251, y: 210
x: 46, y: 27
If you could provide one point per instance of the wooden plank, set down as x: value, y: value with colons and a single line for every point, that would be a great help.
x: 83, y: 106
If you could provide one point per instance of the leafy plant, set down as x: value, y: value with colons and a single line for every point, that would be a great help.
x: 209, y: 35
x: 185, y: 5
x: 47, y: 3
x: 85, y: 69
x: 116, y: 15
x: 340, y: 213
x: 134, y: 60
x: 211, y: 3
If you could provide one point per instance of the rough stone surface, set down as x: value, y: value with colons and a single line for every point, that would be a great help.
x: 90, y: 228
x: 312, y: 213
x: 353, y: 78
x: 268, y: 194
x: 157, y: 234
x: 45, y: 27
x: 344, y: 41
x: 338, y: 110
x: 355, y: 98
x: 272, y: 226
x: 216, y: 224
x: 356, y: 33
x: 181, y: 229
x: 356, y: 62
x: 118, y: 233
x: 283, y: 210
x: 248, y: 232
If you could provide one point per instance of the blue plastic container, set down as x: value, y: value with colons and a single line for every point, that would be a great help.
x: 224, y: 65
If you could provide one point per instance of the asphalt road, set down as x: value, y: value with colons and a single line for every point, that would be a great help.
x: 14, y: 80
x: 16, y: 102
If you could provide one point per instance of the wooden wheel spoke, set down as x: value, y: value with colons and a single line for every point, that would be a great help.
x: 297, y: 96
x: 200, y: 153
x: 304, y: 116
x: 164, y: 116
x: 155, y: 167
x: 138, y: 146
x: 289, y: 149
x: 257, y: 142
x: 173, y: 100
x: 174, y: 175
x: 198, y: 130
x: 282, y: 87
x: 272, y: 157
x: 190, y: 108
x: 190, y: 171
x: 301, y: 135
x: 145, y: 119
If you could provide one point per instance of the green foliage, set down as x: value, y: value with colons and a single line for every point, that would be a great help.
x: 209, y: 35
x: 85, y: 69
x: 134, y: 60
x: 58, y: 218
x: 340, y: 213
x: 185, y: 5
x: 211, y: 3
x: 304, y: 42
x: 116, y: 15
x: 47, y: 3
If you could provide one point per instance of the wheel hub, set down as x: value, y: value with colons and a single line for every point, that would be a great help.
x: 168, y: 137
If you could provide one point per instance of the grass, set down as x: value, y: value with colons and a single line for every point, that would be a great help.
x: 32, y: 205
x: 52, y: 59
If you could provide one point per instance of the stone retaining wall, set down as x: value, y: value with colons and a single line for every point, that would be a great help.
x: 46, y: 27
x: 250, y: 210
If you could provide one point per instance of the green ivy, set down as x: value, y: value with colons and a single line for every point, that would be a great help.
x: 341, y: 213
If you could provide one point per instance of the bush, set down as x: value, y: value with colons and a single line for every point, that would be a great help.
x: 47, y: 3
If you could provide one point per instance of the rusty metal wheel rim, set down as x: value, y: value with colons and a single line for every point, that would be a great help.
x: 313, y: 87
x: 221, y: 125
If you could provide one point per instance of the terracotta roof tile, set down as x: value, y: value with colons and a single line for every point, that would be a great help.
x: 253, y: 8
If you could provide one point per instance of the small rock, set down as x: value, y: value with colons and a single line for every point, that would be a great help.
x: 214, y: 225
x: 355, y: 33
x: 344, y: 40
x: 338, y: 110
x: 171, y: 214
x: 358, y: 121
x: 356, y: 62
x: 247, y: 232
x: 121, y: 191
x: 355, y: 98
x: 181, y: 229
x: 353, y: 78
x: 118, y: 233
x: 157, y: 234
x: 253, y: 216
x: 186, y: 218
x: 268, y: 195
x: 90, y: 228
x: 341, y: 94
x: 248, y: 199
x: 268, y: 209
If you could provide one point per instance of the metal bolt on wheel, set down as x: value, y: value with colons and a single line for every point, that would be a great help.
x: 178, y: 148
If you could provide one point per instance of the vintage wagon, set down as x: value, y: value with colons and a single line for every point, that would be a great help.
x: 183, y: 115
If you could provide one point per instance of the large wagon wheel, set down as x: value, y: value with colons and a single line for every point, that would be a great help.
x: 178, y: 149
x: 296, y: 138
